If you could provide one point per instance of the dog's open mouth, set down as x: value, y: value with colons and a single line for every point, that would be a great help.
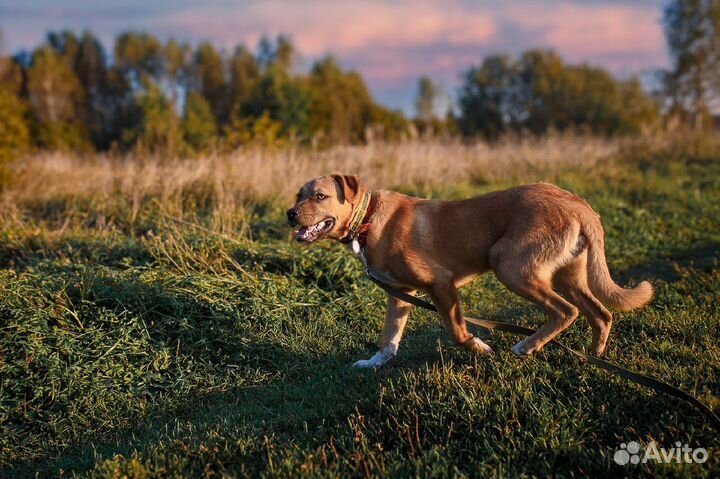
x: 308, y: 234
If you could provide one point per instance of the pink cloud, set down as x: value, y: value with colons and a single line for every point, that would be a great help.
x: 320, y: 27
x: 392, y: 43
x: 384, y: 39
x: 620, y: 36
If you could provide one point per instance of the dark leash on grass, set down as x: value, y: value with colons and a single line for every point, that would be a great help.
x: 647, y: 381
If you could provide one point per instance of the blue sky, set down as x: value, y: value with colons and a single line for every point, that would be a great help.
x: 391, y: 43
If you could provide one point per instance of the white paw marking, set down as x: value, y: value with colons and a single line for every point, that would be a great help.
x: 518, y: 350
x: 380, y: 358
x: 483, y: 346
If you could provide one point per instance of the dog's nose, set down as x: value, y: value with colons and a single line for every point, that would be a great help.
x: 292, y: 214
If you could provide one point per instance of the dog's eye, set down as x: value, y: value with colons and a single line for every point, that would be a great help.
x: 320, y: 196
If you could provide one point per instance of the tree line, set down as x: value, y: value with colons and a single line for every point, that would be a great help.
x: 68, y: 94
x: 171, y: 97
x: 537, y: 90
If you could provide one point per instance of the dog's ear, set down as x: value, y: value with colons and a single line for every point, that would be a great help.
x: 349, y: 186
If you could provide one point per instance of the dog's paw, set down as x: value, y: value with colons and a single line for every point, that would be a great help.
x: 374, y: 362
x: 519, y: 350
x: 479, y: 346
x: 365, y: 364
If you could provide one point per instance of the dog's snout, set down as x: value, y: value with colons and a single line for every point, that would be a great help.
x: 292, y: 214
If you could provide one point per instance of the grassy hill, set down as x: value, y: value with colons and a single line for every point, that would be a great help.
x: 156, y: 320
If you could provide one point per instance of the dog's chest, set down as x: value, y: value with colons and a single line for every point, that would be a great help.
x: 382, y: 276
x: 378, y: 273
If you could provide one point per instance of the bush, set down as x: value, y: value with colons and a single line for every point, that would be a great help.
x: 539, y: 92
x: 14, y: 133
x: 199, y: 126
x: 157, y: 128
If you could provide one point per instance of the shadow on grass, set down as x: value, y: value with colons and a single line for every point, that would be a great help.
x: 303, y: 387
x: 98, y: 251
x: 330, y: 268
x: 318, y: 394
x: 312, y: 395
x: 315, y: 403
x: 703, y: 256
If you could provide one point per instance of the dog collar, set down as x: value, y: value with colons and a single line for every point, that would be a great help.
x: 360, y: 220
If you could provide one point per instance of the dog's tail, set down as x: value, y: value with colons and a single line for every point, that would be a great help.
x: 600, y: 281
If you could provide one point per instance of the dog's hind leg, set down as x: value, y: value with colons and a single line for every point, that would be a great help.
x: 395, y: 320
x: 536, y: 287
x: 571, y: 282
x: 526, y: 263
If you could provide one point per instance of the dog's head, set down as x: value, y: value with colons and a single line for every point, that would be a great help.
x: 324, y: 207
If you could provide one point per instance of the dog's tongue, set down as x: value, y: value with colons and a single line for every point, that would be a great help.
x: 311, y: 233
x: 303, y: 234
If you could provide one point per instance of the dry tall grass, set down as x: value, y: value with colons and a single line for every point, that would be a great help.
x: 259, y: 174
x: 222, y: 185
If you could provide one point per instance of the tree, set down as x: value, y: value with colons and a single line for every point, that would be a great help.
x: 56, y: 97
x: 10, y: 72
x: 485, y: 97
x: 261, y: 131
x: 637, y: 109
x: 199, y: 126
x: 244, y: 74
x: 177, y: 70
x: 209, y: 77
x: 265, y: 53
x: 139, y: 56
x: 86, y: 57
x: 284, y: 98
x: 392, y: 123
x: 90, y: 65
x: 543, y: 92
x: 14, y: 132
x: 177, y: 64
x: 155, y: 126
x: 426, y: 97
x: 692, y: 28
x: 284, y: 53
x: 539, y: 91
x: 66, y: 44
x: 342, y: 104
x: 166, y: 96
x: 280, y: 54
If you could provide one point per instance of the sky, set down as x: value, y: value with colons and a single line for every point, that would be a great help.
x: 391, y: 43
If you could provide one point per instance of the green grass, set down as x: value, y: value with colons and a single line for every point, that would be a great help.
x: 160, y: 349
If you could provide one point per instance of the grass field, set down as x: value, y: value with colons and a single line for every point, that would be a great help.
x: 156, y: 320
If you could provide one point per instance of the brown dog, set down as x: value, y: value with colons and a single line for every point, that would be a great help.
x: 538, y: 239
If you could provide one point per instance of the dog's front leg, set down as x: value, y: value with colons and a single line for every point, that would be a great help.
x: 397, y: 315
x: 447, y: 301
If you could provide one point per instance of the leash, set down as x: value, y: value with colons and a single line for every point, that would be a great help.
x: 647, y: 381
